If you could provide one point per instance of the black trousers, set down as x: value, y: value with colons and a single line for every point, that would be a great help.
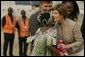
x: 8, y: 41
x: 23, y: 46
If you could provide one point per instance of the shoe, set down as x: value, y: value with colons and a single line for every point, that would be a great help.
x: 4, y: 55
x: 11, y: 55
x: 25, y: 54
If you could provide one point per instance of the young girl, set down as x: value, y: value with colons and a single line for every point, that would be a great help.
x: 44, y: 36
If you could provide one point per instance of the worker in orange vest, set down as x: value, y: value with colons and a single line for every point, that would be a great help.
x: 23, y: 32
x: 8, y: 25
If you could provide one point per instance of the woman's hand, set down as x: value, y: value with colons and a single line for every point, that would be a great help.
x: 65, y: 46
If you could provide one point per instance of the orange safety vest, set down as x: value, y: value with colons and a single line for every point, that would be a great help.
x: 9, y: 26
x: 24, y: 28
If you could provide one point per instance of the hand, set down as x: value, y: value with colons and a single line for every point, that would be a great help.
x: 29, y: 39
x: 65, y: 46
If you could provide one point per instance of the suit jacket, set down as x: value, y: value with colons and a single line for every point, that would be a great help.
x: 34, y: 23
x: 71, y: 35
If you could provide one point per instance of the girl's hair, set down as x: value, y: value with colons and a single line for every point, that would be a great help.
x: 76, y: 9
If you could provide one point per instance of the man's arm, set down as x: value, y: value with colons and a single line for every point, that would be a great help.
x: 3, y: 21
x: 17, y: 25
x: 33, y: 24
x: 78, y: 38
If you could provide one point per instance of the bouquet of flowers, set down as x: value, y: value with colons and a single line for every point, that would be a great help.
x: 62, y: 51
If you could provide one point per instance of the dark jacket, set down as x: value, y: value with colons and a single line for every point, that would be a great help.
x: 82, y: 28
x: 34, y: 23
